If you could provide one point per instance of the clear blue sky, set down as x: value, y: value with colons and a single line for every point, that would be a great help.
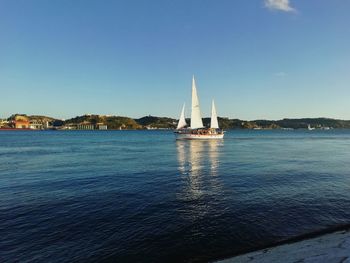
x: 258, y: 58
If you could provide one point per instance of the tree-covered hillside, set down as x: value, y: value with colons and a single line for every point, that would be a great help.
x: 120, y: 122
x: 157, y: 122
x: 113, y: 122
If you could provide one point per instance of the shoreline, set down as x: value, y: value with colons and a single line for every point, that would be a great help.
x: 248, y: 254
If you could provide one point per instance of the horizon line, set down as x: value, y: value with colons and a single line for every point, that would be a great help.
x: 150, y: 115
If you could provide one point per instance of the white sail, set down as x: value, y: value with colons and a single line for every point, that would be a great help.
x: 182, y: 121
x: 214, y: 118
x: 196, y: 118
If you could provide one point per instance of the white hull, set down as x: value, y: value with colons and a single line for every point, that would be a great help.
x: 189, y: 136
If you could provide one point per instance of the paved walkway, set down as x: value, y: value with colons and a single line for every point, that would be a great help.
x: 329, y: 248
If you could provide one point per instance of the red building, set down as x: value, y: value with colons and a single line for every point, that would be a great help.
x: 20, y: 122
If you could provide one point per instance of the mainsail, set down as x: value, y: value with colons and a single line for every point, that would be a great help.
x: 182, y: 121
x: 196, y: 119
x: 214, y: 118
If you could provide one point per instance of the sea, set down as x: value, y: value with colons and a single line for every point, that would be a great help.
x: 142, y: 196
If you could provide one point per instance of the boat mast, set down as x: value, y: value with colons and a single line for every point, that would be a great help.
x: 196, y: 118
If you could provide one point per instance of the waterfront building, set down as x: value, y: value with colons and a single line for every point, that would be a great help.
x: 20, y: 122
x: 48, y: 125
x: 85, y: 126
x: 101, y: 126
x: 35, y: 125
x: 4, y: 123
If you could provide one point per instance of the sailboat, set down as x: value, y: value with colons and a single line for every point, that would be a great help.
x: 197, y: 129
x: 309, y: 127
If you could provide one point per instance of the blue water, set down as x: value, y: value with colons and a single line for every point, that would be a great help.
x: 141, y: 196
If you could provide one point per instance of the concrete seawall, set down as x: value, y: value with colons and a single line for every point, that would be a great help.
x: 331, y: 247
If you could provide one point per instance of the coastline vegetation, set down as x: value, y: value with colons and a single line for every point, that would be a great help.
x: 154, y: 122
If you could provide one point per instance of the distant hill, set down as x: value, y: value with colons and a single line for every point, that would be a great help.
x: 226, y: 123
x: 314, y: 122
x: 41, y: 118
x: 120, y: 122
x: 113, y: 122
x: 32, y: 117
x: 157, y: 122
